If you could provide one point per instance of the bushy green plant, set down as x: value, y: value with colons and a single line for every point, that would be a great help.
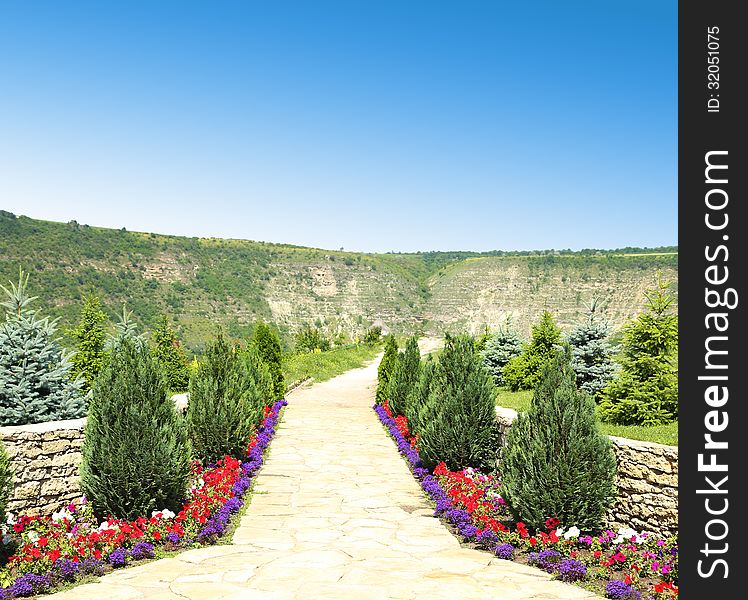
x: 170, y: 356
x: 35, y: 373
x: 89, y: 337
x: 556, y: 462
x: 523, y: 372
x: 459, y: 424
x: 373, y: 335
x: 6, y: 481
x: 417, y: 408
x: 386, y: 368
x: 482, y: 339
x: 136, y: 455
x: 404, y: 377
x: 646, y: 391
x: 226, y: 403
x: 124, y: 329
x: 266, y: 342
x: 309, y: 339
x: 591, y: 354
x: 500, y: 348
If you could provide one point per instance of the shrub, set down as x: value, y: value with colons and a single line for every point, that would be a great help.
x: 386, y: 367
x: 646, y: 392
x: 35, y: 373
x: 591, y: 354
x: 89, y: 337
x: 309, y: 339
x: 556, y: 462
x: 523, y: 372
x: 6, y: 481
x: 417, y: 408
x: 136, y: 456
x: 460, y: 426
x: 266, y: 343
x: 404, y: 377
x: 225, y: 405
x: 170, y: 356
x: 499, y: 349
x: 373, y: 335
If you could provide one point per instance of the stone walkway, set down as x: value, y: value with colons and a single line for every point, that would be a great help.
x: 335, y: 514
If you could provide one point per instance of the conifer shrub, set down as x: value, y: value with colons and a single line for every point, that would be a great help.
x: 592, y: 354
x: 226, y: 402
x: 36, y: 381
x: 646, y: 391
x: 386, y: 368
x: 404, y: 377
x: 556, y: 462
x: 89, y: 337
x: 523, y: 372
x: 500, y: 348
x: 266, y: 343
x: 458, y: 425
x: 417, y: 408
x: 373, y: 335
x: 136, y: 455
x: 170, y: 356
x: 6, y: 481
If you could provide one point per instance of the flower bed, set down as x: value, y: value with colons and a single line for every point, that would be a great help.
x: 70, y: 544
x: 622, y: 565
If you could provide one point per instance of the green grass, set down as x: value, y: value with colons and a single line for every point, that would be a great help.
x: 326, y: 365
x: 662, y: 434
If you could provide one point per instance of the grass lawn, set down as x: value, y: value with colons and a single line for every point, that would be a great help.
x: 662, y: 434
x: 326, y: 365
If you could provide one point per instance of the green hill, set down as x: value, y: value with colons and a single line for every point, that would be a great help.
x: 203, y: 283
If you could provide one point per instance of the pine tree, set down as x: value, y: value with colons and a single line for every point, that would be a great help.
x: 267, y: 344
x: 124, y: 329
x: 646, y: 392
x: 136, y: 456
x: 35, y: 372
x: 170, y: 356
x: 591, y: 354
x: 89, y: 336
x: 404, y: 377
x: 6, y: 481
x: 500, y: 348
x: 523, y: 372
x: 556, y: 463
x: 417, y: 408
x: 386, y: 367
x: 459, y: 424
x: 226, y: 403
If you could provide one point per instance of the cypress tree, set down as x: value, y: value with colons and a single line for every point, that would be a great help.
x: 591, y: 354
x: 523, y: 372
x: 267, y: 344
x: 136, y: 456
x: 459, y: 423
x: 404, y: 377
x: 386, y: 367
x: 89, y: 337
x: 556, y: 463
x: 170, y: 356
x: 417, y: 408
x: 499, y: 349
x: 35, y: 372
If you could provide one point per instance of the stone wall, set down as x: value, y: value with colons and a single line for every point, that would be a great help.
x: 646, y: 483
x: 45, y: 458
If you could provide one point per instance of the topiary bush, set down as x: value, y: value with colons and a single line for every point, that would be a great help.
x: 592, y: 354
x: 6, y: 481
x: 386, y: 368
x: 170, y: 356
x: 556, y: 463
x: 500, y: 348
x: 523, y: 372
x: 266, y: 343
x: 226, y: 403
x: 458, y: 424
x: 136, y: 455
x: 404, y: 377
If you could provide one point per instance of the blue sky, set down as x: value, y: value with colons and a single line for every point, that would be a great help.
x: 372, y: 126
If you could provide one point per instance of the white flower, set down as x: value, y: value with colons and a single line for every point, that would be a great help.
x: 560, y: 531
x: 33, y: 537
x: 63, y: 514
x: 10, y: 519
x: 618, y: 540
x: 163, y: 514
x: 105, y: 526
x: 572, y: 533
x: 626, y: 533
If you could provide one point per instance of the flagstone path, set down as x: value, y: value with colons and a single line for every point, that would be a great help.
x: 335, y: 514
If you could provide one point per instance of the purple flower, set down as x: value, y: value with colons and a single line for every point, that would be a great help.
x: 467, y: 530
x: 572, y: 570
x: 142, y: 550
x: 29, y: 585
x: 68, y: 569
x: 620, y: 590
x: 117, y: 558
x: 505, y: 551
x: 173, y: 537
x: 487, y: 539
x: 546, y: 559
x: 456, y: 516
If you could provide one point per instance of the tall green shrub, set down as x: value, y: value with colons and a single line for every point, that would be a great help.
x: 404, y: 377
x: 523, y: 372
x: 646, y: 392
x: 136, y: 456
x: 556, y: 463
x: 459, y: 427
x: 225, y: 404
x: 592, y: 354
x: 267, y: 344
x: 500, y: 348
x: 417, y: 408
x: 386, y: 367
x: 35, y: 373
x: 309, y: 339
x: 6, y: 481
x: 170, y: 356
x: 89, y: 337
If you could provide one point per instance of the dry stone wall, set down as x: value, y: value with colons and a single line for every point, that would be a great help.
x: 45, y: 459
x: 646, y: 482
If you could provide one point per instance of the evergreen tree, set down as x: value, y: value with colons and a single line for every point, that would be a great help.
x: 591, y: 354
x: 500, y: 348
x: 310, y: 339
x: 404, y: 377
x: 6, y: 481
x: 386, y: 367
x: 523, y: 372
x: 35, y: 372
x: 482, y: 339
x: 556, y: 463
x: 267, y: 344
x: 136, y: 455
x: 89, y: 336
x: 646, y: 392
x: 459, y: 424
x: 124, y: 329
x: 170, y: 356
x: 417, y: 408
x: 226, y: 403
x: 259, y: 372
